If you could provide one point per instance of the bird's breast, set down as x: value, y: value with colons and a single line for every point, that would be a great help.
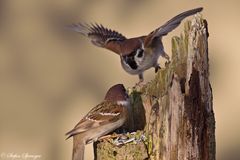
x: 136, y: 65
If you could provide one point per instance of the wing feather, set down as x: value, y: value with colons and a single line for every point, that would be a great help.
x: 98, y: 116
x: 169, y: 25
x: 100, y: 35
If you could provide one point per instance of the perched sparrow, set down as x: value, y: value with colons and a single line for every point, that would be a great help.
x: 137, y: 54
x: 101, y: 120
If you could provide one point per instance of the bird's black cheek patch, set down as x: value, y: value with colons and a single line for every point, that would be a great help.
x: 140, y: 53
x: 133, y: 64
x: 130, y: 61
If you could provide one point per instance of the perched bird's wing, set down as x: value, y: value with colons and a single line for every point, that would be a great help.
x: 104, y: 113
x: 169, y: 26
x: 100, y: 36
x: 78, y: 148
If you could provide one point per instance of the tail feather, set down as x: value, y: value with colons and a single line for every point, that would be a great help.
x: 84, y: 29
x: 78, y: 148
x: 71, y: 133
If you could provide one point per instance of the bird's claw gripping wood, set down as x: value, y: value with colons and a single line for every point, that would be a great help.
x: 124, y: 139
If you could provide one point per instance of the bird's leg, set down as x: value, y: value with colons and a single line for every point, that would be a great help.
x: 140, y: 76
x: 141, y: 79
x: 157, y: 67
x: 118, y: 139
x: 123, y: 139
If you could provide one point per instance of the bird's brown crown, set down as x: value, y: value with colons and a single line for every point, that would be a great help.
x: 116, y: 93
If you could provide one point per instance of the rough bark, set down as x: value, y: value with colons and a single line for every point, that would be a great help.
x: 174, y: 111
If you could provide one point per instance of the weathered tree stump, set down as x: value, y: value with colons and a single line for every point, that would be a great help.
x: 174, y: 111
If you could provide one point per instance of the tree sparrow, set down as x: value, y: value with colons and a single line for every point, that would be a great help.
x: 137, y: 54
x: 107, y: 116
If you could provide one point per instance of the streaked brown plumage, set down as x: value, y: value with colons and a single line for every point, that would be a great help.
x: 102, y: 119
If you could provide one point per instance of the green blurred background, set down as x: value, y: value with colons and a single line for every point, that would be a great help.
x: 50, y: 78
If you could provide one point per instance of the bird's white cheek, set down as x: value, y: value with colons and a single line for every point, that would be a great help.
x: 124, y: 103
x: 139, y: 61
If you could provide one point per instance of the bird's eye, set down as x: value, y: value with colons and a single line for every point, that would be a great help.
x: 140, y: 53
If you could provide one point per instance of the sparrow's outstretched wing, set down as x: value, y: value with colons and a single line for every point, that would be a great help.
x: 169, y: 26
x: 99, y: 116
x: 100, y: 36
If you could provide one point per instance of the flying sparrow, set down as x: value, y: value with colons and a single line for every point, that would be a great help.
x: 137, y: 54
x: 107, y: 116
